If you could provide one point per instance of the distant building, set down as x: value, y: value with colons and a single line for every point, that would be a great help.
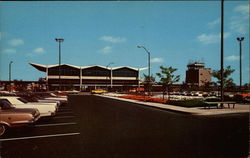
x: 197, y: 74
x: 88, y: 77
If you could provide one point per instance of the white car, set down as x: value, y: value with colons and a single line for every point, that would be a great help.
x: 58, y: 103
x: 44, y: 109
x: 50, y: 97
x: 62, y: 100
x: 55, y: 104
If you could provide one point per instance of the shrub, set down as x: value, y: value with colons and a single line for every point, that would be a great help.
x: 189, y: 103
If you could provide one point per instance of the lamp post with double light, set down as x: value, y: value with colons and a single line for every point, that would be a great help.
x: 240, y: 39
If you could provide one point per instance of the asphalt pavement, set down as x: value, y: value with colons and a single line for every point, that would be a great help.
x: 96, y: 127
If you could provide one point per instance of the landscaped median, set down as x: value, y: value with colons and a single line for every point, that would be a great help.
x: 194, y: 107
x: 144, y: 98
x: 182, y: 103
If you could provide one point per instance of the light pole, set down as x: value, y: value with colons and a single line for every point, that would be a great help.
x: 10, y: 73
x: 111, y: 83
x: 240, y: 39
x: 10, y: 70
x: 59, y: 40
x: 222, y: 52
x: 149, y: 77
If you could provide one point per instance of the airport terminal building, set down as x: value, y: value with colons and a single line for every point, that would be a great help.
x: 73, y: 77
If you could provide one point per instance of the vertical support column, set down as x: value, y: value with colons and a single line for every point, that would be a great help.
x: 47, y: 74
x: 138, y: 78
x: 80, y: 79
x: 47, y: 78
x: 111, y: 79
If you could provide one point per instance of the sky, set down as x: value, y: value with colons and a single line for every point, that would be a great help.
x: 98, y: 33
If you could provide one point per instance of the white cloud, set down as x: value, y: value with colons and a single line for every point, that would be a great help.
x: 157, y: 60
x: 213, y: 23
x: 244, y: 9
x: 16, y: 42
x: 240, y: 22
x: 232, y: 58
x: 211, y: 38
x: 9, y: 51
x: 106, y: 50
x: 39, y: 50
x: 113, y: 39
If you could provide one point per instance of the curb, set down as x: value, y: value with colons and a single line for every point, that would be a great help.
x: 150, y: 106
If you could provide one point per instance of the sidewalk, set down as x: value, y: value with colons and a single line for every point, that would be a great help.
x: 239, y: 108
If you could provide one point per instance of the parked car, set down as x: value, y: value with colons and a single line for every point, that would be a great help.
x: 61, y: 100
x: 13, y: 117
x: 36, y: 98
x: 54, y: 104
x: 98, y: 91
x: 44, y: 109
x: 242, y: 98
x: 46, y: 97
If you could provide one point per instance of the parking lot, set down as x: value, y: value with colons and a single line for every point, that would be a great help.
x: 93, y: 127
x: 43, y: 138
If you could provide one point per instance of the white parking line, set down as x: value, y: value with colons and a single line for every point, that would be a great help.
x: 56, y: 124
x: 42, y: 136
x: 63, y: 117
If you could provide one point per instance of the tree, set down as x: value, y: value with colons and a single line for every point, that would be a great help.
x: 148, y: 81
x: 206, y: 86
x: 228, y: 82
x: 246, y: 86
x: 167, y: 78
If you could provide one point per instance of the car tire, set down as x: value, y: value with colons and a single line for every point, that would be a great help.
x: 2, y: 129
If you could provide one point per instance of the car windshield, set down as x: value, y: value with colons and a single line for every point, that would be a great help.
x: 22, y: 100
x: 5, y: 104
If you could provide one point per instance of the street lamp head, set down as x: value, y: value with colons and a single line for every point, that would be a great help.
x: 139, y: 46
x: 240, y: 38
x: 59, y: 39
x: 11, y: 62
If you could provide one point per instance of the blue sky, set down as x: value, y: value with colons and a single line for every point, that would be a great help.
x: 97, y: 33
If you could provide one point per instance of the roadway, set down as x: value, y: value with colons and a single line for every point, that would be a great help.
x: 94, y: 127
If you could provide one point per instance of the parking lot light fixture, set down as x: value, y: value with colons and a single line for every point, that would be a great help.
x: 222, y: 52
x: 10, y: 70
x: 240, y: 39
x: 149, y: 77
x: 10, y: 74
x: 59, y: 40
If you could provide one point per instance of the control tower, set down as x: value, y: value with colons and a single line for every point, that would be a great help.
x: 197, y: 74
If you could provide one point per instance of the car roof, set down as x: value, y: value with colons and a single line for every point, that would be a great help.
x: 9, y: 97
